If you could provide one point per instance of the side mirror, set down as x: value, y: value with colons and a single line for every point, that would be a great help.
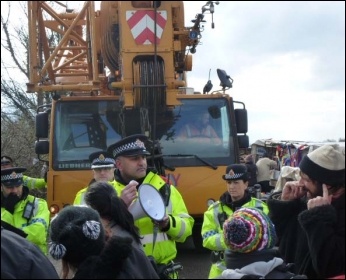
x: 42, y: 125
x: 243, y: 141
x: 241, y: 120
x: 42, y: 147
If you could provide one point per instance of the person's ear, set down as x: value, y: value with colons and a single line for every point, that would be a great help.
x: 118, y: 164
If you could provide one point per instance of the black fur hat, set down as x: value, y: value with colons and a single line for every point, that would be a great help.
x: 76, y: 233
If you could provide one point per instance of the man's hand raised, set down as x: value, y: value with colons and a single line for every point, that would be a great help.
x: 129, y: 193
x: 320, y: 200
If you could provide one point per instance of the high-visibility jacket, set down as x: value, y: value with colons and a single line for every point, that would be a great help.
x: 163, y: 248
x: 35, y: 227
x: 212, y: 231
x: 33, y: 183
x: 79, y: 198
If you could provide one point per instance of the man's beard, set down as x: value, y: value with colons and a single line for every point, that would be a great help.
x: 317, y: 192
x: 319, y: 189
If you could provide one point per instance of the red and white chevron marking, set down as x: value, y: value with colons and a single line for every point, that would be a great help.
x: 141, y: 24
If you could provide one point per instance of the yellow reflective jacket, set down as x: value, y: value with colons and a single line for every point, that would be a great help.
x: 33, y: 183
x: 212, y: 231
x: 79, y: 198
x: 37, y: 226
x: 181, y: 223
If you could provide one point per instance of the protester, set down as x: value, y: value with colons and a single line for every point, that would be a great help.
x: 252, y: 170
x: 20, y: 259
x: 102, y: 166
x: 264, y: 167
x: 309, y: 215
x: 250, y: 238
x: 30, y: 182
x: 115, y: 217
x: 78, y: 239
x: 27, y: 213
x: 235, y: 197
x: 159, y: 238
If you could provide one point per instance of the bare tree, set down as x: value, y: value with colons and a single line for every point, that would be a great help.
x: 18, y: 108
x: 14, y: 62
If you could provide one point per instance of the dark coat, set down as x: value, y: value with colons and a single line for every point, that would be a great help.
x: 252, y: 172
x: 312, y: 239
x: 21, y: 259
x: 236, y: 260
x: 256, y: 264
x: 118, y: 260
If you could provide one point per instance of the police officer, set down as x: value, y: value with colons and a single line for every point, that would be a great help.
x: 25, y: 212
x: 131, y: 171
x: 236, y: 196
x: 103, y: 167
x: 30, y: 182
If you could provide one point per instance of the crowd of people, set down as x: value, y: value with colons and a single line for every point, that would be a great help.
x: 297, y: 232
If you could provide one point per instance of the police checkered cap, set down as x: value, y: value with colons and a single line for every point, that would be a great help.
x: 13, y: 176
x: 101, y: 159
x: 129, y: 146
x: 236, y: 172
x: 6, y: 160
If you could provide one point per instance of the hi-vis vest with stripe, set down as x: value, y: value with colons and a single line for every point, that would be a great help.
x: 181, y: 223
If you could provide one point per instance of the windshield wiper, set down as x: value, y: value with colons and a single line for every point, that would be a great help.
x: 195, y: 156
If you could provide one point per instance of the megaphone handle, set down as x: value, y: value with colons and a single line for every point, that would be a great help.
x: 156, y: 230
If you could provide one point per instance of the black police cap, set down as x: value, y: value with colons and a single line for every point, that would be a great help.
x: 236, y: 172
x: 12, y: 177
x: 129, y: 146
x: 101, y: 159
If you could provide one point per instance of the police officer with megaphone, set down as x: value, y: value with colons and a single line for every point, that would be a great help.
x: 176, y: 225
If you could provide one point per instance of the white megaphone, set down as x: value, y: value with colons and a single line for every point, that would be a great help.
x: 149, y: 203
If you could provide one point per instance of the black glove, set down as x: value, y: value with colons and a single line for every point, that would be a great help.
x: 10, y: 201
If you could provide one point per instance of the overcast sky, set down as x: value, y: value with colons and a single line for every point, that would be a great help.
x: 287, y: 60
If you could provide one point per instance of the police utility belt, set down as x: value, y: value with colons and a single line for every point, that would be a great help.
x: 217, y: 256
x: 166, y: 270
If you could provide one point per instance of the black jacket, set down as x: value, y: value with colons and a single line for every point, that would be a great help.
x: 312, y: 239
x: 252, y: 173
x: 118, y: 260
x: 264, y: 264
x: 21, y: 259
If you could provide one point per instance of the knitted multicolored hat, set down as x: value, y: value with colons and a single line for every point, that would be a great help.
x: 248, y: 230
x: 326, y: 165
